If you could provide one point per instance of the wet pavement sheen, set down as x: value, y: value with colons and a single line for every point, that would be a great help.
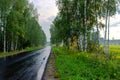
x: 26, y: 66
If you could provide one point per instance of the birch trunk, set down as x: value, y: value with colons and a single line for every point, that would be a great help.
x: 98, y: 44
x: 85, y: 31
x: 81, y: 42
x: 105, y: 36
x: 12, y: 43
x: 106, y: 28
x: 16, y: 44
x: 4, y: 40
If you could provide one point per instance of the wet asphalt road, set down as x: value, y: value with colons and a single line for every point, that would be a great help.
x: 26, y: 66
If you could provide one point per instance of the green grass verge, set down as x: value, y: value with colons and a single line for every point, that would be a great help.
x: 74, y: 65
x: 2, y: 54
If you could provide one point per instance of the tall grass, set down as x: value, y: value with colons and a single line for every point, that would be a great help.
x: 115, y: 50
x: 75, y: 65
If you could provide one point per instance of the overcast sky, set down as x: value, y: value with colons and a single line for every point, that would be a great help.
x: 48, y: 11
x: 114, y: 27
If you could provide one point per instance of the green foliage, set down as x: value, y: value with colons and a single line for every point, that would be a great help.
x: 73, y: 65
x: 27, y: 49
x: 18, y: 18
x: 34, y: 34
x: 92, y: 46
x: 70, y: 21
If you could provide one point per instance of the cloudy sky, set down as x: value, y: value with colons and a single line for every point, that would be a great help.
x: 48, y: 11
x: 114, y: 27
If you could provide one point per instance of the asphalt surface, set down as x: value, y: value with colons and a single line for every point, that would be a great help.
x: 24, y: 66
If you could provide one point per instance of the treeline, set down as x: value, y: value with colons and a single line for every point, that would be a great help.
x: 19, y: 27
x: 78, y: 20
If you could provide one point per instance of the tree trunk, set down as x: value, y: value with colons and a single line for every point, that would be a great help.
x: 12, y: 43
x: 81, y: 42
x: 98, y: 44
x: 85, y: 27
x: 16, y: 44
x: 106, y: 28
x: 4, y: 40
x: 105, y: 36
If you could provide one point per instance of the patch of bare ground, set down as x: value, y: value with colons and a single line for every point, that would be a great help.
x: 51, y: 71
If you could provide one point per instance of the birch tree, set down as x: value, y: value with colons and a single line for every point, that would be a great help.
x: 14, y: 17
x: 85, y: 25
x: 110, y: 10
x: 77, y: 18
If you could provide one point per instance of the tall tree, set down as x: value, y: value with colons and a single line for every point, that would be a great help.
x: 76, y: 18
x: 16, y: 17
x: 85, y: 25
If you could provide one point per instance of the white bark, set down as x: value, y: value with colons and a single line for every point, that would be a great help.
x: 105, y: 36
x: 12, y: 43
x: 91, y: 35
x: 16, y: 45
x: 4, y: 35
x: 81, y: 42
x: 106, y: 30
x: 98, y: 44
x: 85, y: 22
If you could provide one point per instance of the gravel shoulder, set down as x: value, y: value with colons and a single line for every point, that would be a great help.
x: 50, y: 72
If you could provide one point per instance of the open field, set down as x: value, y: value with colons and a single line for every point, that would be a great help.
x: 115, y: 50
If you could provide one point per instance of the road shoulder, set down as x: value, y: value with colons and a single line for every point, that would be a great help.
x: 50, y: 69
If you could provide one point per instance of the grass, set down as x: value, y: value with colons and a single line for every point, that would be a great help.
x: 115, y: 51
x: 2, y: 54
x: 74, y: 65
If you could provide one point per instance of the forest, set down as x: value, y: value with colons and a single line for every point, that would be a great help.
x: 19, y: 26
x: 79, y: 22
x: 75, y: 35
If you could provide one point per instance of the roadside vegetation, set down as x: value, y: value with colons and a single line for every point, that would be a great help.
x: 27, y: 49
x: 79, y: 22
x: 75, y: 65
x: 77, y: 27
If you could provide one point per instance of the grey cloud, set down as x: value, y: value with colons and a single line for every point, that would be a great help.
x: 47, y: 10
x: 115, y: 24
